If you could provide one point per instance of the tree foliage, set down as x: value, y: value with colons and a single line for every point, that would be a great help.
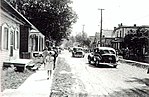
x: 70, y: 41
x: 83, y: 39
x: 136, y: 41
x: 53, y: 18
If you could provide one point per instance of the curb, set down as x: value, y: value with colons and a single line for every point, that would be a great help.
x: 135, y: 63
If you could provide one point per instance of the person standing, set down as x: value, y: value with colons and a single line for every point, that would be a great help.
x: 55, y: 56
x: 44, y: 54
x: 49, y: 64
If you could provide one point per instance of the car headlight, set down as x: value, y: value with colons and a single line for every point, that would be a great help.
x: 110, y: 58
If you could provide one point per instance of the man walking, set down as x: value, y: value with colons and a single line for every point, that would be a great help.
x: 44, y: 54
x: 55, y: 56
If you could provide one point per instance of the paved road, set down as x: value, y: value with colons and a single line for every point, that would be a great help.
x: 123, y: 81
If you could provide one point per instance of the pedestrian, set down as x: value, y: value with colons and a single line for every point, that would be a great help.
x: 49, y: 64
x: 55, y: 56
x: 127, y: 51
x: 44, y: 54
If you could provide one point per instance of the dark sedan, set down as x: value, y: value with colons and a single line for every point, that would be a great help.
x: 103, y: 55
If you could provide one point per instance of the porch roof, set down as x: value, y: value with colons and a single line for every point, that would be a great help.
x: 36, y: 32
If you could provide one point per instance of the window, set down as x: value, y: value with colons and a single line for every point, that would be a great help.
x: 5, y: 38
x: 120, y: 34
x: 112, y: 52
x: 117, y: 33
x: 16, y: 40
x: 11, y: 38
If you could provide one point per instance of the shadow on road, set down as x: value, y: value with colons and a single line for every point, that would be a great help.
x: 135, y: 92
x: 144, y: 81
x: 142, y: 91
x: 130, y: 92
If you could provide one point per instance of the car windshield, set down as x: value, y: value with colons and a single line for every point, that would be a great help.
x: 112, y: 52
x: 77, y: 49
x: 105, y: 51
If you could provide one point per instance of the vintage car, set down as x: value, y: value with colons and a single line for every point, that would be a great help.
x: 103, y: 55
x: 78, y: 52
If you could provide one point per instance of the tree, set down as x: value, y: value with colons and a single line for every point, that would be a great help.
x: 87, y: 42
x: 70, y: 41
x: 137, y: 42
x: 83, y: 39
x: 53, y: 18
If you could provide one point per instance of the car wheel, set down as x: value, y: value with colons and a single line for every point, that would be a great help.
x: 114, y: 66
x: 72, y: 54
x: 96, y: 63
x: 89, y: 60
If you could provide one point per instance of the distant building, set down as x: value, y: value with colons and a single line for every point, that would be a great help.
x: 92, y: 43
x: 107, y: 33
x: 107, y: 37
x: 91, y: 38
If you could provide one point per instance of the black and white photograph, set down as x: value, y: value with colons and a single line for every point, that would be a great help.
x: 74, y: 48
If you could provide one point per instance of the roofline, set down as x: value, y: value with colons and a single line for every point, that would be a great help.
x: 143, y: 26
x: 32, y: 26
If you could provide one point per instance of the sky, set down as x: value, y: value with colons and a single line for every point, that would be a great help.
x: 128, y: 12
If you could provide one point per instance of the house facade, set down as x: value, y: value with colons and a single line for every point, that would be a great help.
x: 107, y: 37
x: 130, y: 50
x: 15, y: 34
x: 121, y: 31
x: 9, y: 34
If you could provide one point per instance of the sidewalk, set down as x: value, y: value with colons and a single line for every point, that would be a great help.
x: 36, y: 85
x: 136, y: 63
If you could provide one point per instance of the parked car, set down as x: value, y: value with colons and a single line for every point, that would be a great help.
x: 78, y: 52
x: 103, y: 55
x: 70, y: 49
x: 86, y: 50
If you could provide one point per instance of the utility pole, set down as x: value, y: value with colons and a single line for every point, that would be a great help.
x: 83, y: 29
x: 101, y: 28
x: 83, y: 34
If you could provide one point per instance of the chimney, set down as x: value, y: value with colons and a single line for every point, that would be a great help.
x: 114, y: 28
x: 121, y: 24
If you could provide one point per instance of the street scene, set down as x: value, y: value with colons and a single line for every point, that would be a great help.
x: 101, y: 81
x: 73, y: 48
